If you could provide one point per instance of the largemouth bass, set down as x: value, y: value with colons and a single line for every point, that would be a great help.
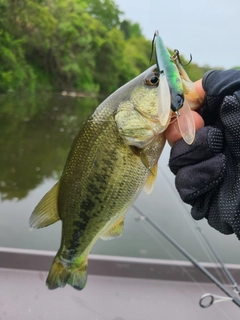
x: 112, y: 158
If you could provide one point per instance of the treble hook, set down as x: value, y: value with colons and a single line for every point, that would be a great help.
x: 153, y: 40
x: 176, y: 56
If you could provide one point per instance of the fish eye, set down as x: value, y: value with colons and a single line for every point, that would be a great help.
x: 152, y: 79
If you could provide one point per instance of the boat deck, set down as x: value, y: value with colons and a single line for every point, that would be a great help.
x: 117, y: 289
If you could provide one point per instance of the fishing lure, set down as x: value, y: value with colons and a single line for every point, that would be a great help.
x: 171, y: 90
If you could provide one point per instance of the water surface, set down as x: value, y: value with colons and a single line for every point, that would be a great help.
x: 36, y: 133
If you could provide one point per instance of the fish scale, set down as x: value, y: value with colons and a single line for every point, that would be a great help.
x: 89, y: 217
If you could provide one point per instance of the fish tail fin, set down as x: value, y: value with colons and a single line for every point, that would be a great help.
x: 65, y: 272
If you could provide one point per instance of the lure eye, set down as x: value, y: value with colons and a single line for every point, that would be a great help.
x: 152, y: 80
x: 177, y: 102
x: 180, y: 100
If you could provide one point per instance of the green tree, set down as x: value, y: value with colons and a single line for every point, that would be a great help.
x: 69, y: 56
x: 136, y: 57
x: 109, y: 61
x: 130, y: 29
x: 70, y: 45
x: 21, y: 25
x: 14, y: 71
x: 106, y: 11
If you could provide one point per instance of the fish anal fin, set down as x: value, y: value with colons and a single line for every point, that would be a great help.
x: 151, y: 179
x: 115, y: 231
x: 46, y: 212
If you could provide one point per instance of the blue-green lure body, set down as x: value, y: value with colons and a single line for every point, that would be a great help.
x: 171, y: 91
x: 167, y: 66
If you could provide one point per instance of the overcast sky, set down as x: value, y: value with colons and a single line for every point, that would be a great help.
x: 208, y: 29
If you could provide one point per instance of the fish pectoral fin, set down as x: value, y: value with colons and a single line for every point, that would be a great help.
x: 144, y: 160
x: 151, y: 179
x: 142, y: 155
x: 115, y: 231
x: 46, y: 212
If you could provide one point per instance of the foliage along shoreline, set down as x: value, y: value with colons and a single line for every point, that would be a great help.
x: 71, y: 45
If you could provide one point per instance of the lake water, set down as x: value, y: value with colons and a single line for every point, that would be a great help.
x: 35, y: 137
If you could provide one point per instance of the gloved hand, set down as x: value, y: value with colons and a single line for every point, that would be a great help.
x: 208, y: 171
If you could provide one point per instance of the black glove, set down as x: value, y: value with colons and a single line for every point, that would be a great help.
x: 208, y: 171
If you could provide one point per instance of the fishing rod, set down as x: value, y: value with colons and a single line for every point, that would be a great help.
x: 197, y: 265
x: 225, y: 270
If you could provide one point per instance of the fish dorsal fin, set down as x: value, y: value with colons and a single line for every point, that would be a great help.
x: 115, y: 231
x: 46, y: 212
x: 148, y: 188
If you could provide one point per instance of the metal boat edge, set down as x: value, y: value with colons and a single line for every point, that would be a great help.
x: 116, y: 266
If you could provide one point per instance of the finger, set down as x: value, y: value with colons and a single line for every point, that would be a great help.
x: 208, y: 142
x: 195, y: 180
x: 230, y: 119
x: 173, y: 133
